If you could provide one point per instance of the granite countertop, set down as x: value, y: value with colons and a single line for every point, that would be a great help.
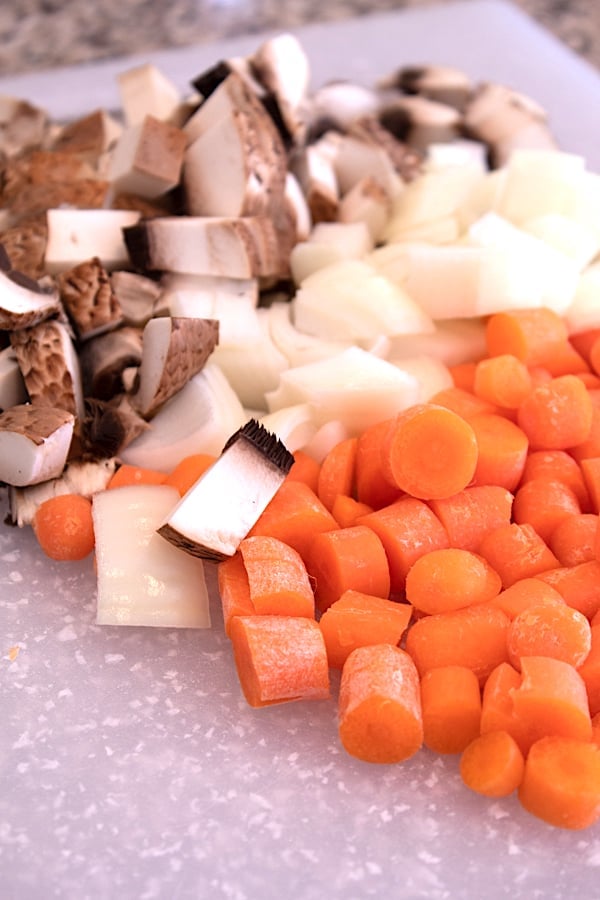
x: 43, y: 34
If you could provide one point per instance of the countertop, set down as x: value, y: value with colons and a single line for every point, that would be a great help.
x: 43, y: 34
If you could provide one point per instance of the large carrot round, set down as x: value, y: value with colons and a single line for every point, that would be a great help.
x: 372, y: 487
x: 578, y: 585
x: 501, y: 450
x: 277, y: 578
x: 463, y: 402
x: 557, y: 465
x: 450, y: 578
x: 574, y: 539
x: 279, y: 658
x: 471, y: 514
x: 543, y: 505
x: 451, y: 707
x: 516, y: 552
x: 549, y: 629
x: 557, y: 415
x: 561, y: 782
x: 537, y: 337
x: 502, y: 380
x: 357, y: 620
x: 379, y: 711
x: 429, y: 452
x: 64, y: 527
x: 492, y: 764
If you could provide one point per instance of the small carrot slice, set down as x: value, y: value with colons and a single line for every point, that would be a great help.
x: 305, y: 468
x: 429, y: 452
x: 516, y: 552
x: 471, y: 514
x: 450, y: 578
x: 187, y: 472
x: 279, y: 659
x: 502, y: 380
x: 294, y: 515
x: 277, y: 577
x: 561, y: 782
x: 336, y: 475
x: 549, y: 629
x: 578, y: 585
x: 347, y: 558
x: 64, y: 527
x: 346, y: 510
x: 358, y: 620
x: 126, y: 475
x: 524, y: 594
x: 492, y: 764
x: 574, y: 539
x: 501, y: 450
x: 379, y: 709
x: 451, y: 708
x: 557, y: 415
x: 544, y: 505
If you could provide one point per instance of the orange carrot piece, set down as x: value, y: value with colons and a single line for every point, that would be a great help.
x: 573, y: 541
x: 549, y: 629
x: 590, y: 446
x: 516, y: 552
x: 429, y: 452
x: 450, y: 578
x: 596, y: 730
x: 372, y: 487
x: 187, y: 472
x: 234, y: 590
x: 64, y: 527
x: 474, y: 636
x: 379, y: 710
x: 336, y: 475
x: 561, y: 782
x: 463, y: 375
x: 397, y: 526
x: 126, y: 475
x: 472, y: 513
x: 279, y: 658
x: 347, y: 558
x: 578, y: 585
x: 557, y: 465
x: 523, y: 594
x: 538, y: 337
x: 294, y: 515
x: 497, y: 708
x: 590, y: 379
x: 501, y: 450
x: 557, y: 415
x: 590, y: 672
x: 502, y: 380
x: 451, y: 708
x: 346, y: 510
x: 543, y: 505
x: 277, y: 577
x: 359, y: 620
x: 590, y: 471
x: 305, y: 468
x: 463, y: 402
x: 492, y: 764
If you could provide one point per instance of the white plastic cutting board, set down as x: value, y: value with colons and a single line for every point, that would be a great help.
x: 131, y: 767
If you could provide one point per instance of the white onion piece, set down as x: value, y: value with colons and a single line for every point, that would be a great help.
x: 294, y: 425
x: 539, y: 182
x: 454, y: 341
x: 430, y: 374
x: 576, y: 240
x: 298, y: 347
x: 325, y: 439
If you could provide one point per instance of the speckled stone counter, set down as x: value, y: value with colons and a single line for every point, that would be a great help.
x: 41, y: 34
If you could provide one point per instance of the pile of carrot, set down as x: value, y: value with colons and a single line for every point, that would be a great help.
x: 447, y: 562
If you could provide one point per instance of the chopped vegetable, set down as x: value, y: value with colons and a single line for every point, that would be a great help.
x: 492, y: 764
x: 451, y: 707
x: 64, y: 528
x: 450, y: 578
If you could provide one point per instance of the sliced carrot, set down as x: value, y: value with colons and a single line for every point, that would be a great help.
x: 497, y: 707
x: 336, y: 475
x: 463, y: 402
x: 450, y: 578
x: 549, y: 629
x: 544, y: 505
x: 372, y: 487
x: 590, y: 471
x: 397, y: 525
x: 451, y: 707
x: 294, y: 515
x: 279, y: 658
x: 557, y: 415
x: 64, y: 527
x: 590, y: 379
x: 347, y: 558
x: 346, y: 510
x: 379, y: 711
x: 590, y: 672
x: 574, y: 539
x: 596, y: 730
x: 557, y: 465
x: 523, y: 594
x: 463, y: 375
x: 358, y: 620
x: 492, y: 764
x: 516, y: 552
x: 474, y: 636
x: 234, y: 590
x: 583, y: 341
x: 538, y: 337
x: 589, y: 446
x: 429, y: 452
x: 126, y: 475
x: 561, y: 782
x: 305, y: 468
x: 578, y: 585
x: 502, y: 380
x: 187, y: 472
x: 470, y: 514
x: 277, y: 577
x: 501, y: 450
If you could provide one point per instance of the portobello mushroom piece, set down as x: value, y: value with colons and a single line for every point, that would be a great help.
x: 75, y: 235
x: 25, y: 302
x: 87, y: 295
x: 282, y: 66
x: 420, y: 122
x: 25, y: 244
x: 136, y: 295
x: 147, y: 158
x: 22, y: 125
x: 34, y: 443
x: 89, y: 137
x: 104, y: 358
x: 444, y: 84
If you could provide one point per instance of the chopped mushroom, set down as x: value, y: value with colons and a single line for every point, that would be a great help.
x: 12, y: 386
x: 105, y: 358
x: 147, y: 159
x: 136, y: 295
x: 24, y: 302
x: 145, y: 90
x: 89, y: 137
x: 34, y: 443
x: 88, y: 298
x: 218, y: 511
x: 419, y: 121
x: 22, y: 125
x: 444, y: 84
x: 75, y: 235
x: 281, y: 65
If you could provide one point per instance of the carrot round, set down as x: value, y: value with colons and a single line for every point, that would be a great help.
x: 557, y: 465
x: 187, y: 472
x: 277, y: 578
x: 372, y: 487
x: 279, y: 658
x: 543, y: 505
x: 502, y: 380
x: 557, y: 415
x: 463, y: 374
x: 305, y: 468
x: 589, y: 448
x: 336, y: 475
x: 537, y: 337
x: 450, y: 578
x: 357, y: 620
x: 492, y: 764
x: 501, y: 450
x: 561, y: 782
x: 472, y: 513
x: 574, y: 539
x: 590, y: 672
x: 451, y: 708
x: 429, y: 452
x: 379, y: 710
x: 64, y: 528
x: 590, y: 471
x: 578, y: 585
x: 497, y: 707
x: 523, y: 594
x: 462, y: 401
x: 294, y: 515
x: 549, y: 629
x: 516, y: 552
x: 127, y: 474
x: 346, y: 510
x: 234, y: 590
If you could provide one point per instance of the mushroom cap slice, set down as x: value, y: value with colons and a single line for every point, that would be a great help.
x: 23, y: 302
x: 34, y: 443
x: 87, y: 295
